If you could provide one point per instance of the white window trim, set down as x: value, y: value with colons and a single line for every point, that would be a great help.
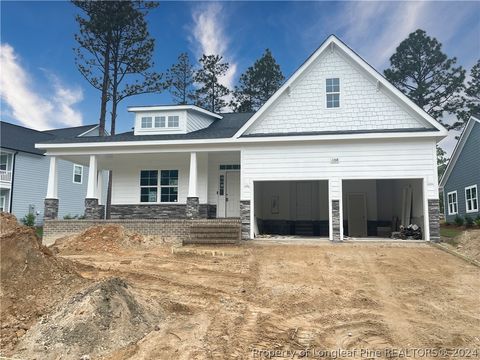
x: 335, y: 92
x: 456, y: 202
x: 159, y: 188
x: 81, y: 175
x: 167, y: 122
x: 476, y: 198
x: 152, y: 120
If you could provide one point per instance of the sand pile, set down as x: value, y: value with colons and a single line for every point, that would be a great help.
x: 32, y: 279
x: 469, y: 244
x: 99, y: 319
x: 100, y: 238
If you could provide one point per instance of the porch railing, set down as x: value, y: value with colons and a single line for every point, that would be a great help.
x: 5, y: 176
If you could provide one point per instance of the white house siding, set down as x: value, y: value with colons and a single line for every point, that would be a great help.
x: 197, y: 121
x: 361, y: 159
x: 30, y: 186
x: 363, y: 106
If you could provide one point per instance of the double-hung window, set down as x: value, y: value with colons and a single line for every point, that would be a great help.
x: 150, y: 187
x: 452, y: 203
x: 471, y: 198
x: 4, y: 162
x: 333, y: 92
x: 77, y: 174
x: 146, y: 122
x: 168, y: 185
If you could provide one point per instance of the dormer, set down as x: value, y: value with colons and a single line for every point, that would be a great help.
x: 171, y: 119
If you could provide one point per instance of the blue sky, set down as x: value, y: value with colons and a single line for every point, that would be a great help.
x: 41, y: 87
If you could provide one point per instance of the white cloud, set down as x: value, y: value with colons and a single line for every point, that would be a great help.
x: 208, y: 37
x: 27, y: 106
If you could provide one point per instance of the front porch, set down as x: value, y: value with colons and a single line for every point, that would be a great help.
x: 173, y: 185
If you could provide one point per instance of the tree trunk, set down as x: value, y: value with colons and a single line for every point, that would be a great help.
x: 103, y: 104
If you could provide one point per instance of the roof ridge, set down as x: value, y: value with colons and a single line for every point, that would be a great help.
x: 26, y: 128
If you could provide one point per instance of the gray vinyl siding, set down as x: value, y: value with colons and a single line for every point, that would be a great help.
x: 465, y: 173
x: 30, y: 186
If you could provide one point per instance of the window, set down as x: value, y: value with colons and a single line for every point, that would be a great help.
x: 77, y: 174
x: 169, y: 186
x: 229, y: 167
x: 4, y: 162
x: 146, y: 122
x: 452, y: 203
x: 148, y: 185
x: 333, y: 93
x: 471, y: 198
x: 221, y: 188
x: 160, y: 122
x: 173, y: 121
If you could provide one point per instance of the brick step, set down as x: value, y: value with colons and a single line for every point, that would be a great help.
x: 210, y: 241
x: 195, y: 230
x: 234, y: 235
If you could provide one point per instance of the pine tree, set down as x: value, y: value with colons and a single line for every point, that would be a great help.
x: 426, y: 75
x: 471, y: 98
x: 211, y: 93
x: 257, y: 84
x: 180, y: 79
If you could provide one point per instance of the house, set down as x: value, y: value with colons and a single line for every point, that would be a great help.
x: 24, y: 171
x: 337, y: 151
x: 461, y: 180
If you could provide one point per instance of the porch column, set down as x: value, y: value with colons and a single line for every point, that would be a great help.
x: 51, y: 200
x: 335, y: 209
x: 100, y: 187
x: 193, y: 206
x: 92, y: 209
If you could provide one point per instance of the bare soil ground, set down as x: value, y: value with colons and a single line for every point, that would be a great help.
x: 260, y: 297
x: 466, y: 243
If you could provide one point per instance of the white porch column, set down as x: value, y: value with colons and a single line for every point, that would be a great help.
x: 100, y: 187
x: 52, y: 187
x: 92, y: 178
x: 192, y: 180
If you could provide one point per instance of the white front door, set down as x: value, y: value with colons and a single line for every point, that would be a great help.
x: 357, y: 215
x: 228, y: 194
x: 304, y: 200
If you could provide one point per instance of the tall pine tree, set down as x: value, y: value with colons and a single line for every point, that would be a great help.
x: 471, y: 98
x: 257, y: 84
x: 180, y: 79
x: 426, y: 75
x: 211, y: 92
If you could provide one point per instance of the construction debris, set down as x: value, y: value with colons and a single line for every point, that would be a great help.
x: 411, y: 232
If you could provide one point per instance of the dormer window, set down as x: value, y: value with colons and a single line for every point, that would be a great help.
x: 160, y: 122
x: 173, y: 122
x: 146, y: 122
x: 333, y: 92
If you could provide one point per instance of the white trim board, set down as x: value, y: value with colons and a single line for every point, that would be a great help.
x: 332, y: 43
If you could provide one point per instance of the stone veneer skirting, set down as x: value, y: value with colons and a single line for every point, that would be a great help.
x: 192, y: 208
x: 94, y: 211
x: 434, y: 219
x: 245, y: 217
x: 159, y: 211
x: 51, y: 209
x: 336, y: 220
x: 168, y: 230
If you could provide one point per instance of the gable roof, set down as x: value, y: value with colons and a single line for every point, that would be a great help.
x: 459, y: 147
x: 20, y: 138
x: 333, y: 42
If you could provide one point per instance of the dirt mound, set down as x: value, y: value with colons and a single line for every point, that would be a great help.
x: 8, y: 223
x: 31, y: 280
x: 100, y: 238
x: 469, y: 244
x: 103, y: 317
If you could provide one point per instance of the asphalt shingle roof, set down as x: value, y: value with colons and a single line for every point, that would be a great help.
x: 19, y: 138
x: 219, y: 129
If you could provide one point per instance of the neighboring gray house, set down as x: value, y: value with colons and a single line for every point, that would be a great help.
x: 24, y: 171
x: 461, y: 180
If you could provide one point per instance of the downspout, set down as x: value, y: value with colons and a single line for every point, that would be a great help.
x: 10, y: 198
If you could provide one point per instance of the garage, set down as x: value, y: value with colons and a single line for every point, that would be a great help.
x: 378, y: 208
x: 291, y: 208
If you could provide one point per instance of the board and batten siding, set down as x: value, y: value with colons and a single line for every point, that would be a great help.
x: 30, y: 186
x: 363, y: 104
x: 466, y: 172
x: 334, y: 161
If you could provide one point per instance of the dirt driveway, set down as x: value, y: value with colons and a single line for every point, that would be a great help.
x: 292, y: 297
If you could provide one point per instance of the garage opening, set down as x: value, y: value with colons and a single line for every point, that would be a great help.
x: 378, y: 208
x: 291, y: 208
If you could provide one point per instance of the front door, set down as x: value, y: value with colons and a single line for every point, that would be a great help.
x: 357, y: 215
x: 228, y: 194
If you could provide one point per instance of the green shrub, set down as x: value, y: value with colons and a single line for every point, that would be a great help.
x: 458, y: 220
x: 67, y: 217
x: 29, y: 220
x: 477, y: 220
x: 468, y: 221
